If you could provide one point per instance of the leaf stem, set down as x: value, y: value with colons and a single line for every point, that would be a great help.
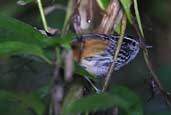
x: 45, y: 25
x: 138, y: 17
x: 119, y: 44
x: 140, y: 33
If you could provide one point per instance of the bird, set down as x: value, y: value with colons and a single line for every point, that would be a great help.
x: 97, y: 51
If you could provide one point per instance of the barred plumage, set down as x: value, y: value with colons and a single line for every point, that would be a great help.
x: 97, y: 53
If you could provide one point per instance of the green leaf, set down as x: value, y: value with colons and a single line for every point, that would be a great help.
x: 119, y: 96
x: 10, y: 48
x: 14, y: 30
x: 131, y: 103
x: 103, y: 3
x: 126, y: 4
x: 74, y: 93
x: 89, y: 103
x: 118, y: 28
x: 138, y: 17
x: 13, y: 108
x: 81, y: 71
x: 28, y: 100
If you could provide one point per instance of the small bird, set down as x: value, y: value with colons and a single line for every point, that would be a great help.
x: 97, y: 51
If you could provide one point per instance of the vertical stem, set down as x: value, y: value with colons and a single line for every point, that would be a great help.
x: 119, y: 44
x: 138, y: 17
x: 42, y: 15
x: 140, y: 33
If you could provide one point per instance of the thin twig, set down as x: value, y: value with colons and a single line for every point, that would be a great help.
x: 71, y: 11
x: 148, y: 63
x: 54, y: 7
x: 119, y: 44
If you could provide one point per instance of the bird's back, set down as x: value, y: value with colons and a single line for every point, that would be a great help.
x: 96, y: 53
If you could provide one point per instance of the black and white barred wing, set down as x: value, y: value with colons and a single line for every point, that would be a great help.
x: 128, y: 51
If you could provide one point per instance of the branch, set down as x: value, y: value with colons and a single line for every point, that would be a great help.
x: 119, y: 44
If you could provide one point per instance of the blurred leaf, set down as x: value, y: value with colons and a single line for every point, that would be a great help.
x: 10, y: 9
x: 28, y: 40
x: 27, y: 100
x: 13, y: 108
x: 118, y: 28
x: 138, y: 17
x: 45, y: 90
x: 74, y: 93
x: 13, y: 48
x: 131, y: 102
x: 33, y: 101
x: 81, y: 71
x: 119, y: 96
x: 14, y: 30
x: 127, y: 7
x: 103, y: 3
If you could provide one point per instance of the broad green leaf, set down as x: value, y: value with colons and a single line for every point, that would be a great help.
x: 132, y: 103
x: 45, y: 90
x: 90, y: 103
x: 13, y: 108
x: 33, y: 101
x: 127, y: 7
x: 30, y: 39
x: 103, y: 3
x: 119, y: 96
x: 138, y: 17
x: 14, y: 30
x: 28, y: 100
x: 10, y: 48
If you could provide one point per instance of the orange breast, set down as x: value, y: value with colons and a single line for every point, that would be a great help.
x: 91, y: 47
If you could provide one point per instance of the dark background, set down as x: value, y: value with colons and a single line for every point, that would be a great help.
x: 20, y: 74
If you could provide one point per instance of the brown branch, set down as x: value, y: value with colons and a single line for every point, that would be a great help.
x: 111, y: 17
x: 68, y: 65
x: 57, y: 90
x: 149, y: 66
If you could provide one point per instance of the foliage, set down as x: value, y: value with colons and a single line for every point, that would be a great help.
x: 19, y: 38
